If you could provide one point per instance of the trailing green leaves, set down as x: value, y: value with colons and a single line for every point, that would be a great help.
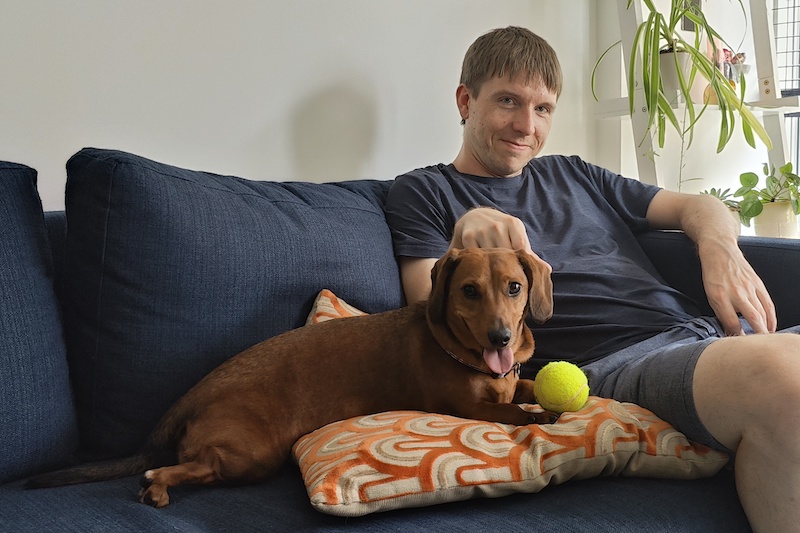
x: 659, y: 33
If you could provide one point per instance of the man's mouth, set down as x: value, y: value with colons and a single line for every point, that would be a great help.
x: 517, y: 146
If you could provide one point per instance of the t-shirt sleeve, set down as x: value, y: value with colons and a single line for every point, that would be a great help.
x: 418, y: 220
x: 630, y: 198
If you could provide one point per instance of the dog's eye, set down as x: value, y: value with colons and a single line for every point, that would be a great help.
x: 470, y: 291
x: 514, y: 288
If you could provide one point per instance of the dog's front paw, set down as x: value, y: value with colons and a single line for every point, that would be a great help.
x: 152, y: 494
x: 543, y: 417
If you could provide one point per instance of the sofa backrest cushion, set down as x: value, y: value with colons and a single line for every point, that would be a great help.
x: 168, y: 272
x: 37, y: 414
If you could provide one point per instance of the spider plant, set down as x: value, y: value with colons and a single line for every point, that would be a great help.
x: 659, y: 33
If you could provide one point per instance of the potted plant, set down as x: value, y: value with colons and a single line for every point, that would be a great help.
x: 773, y: 207
x: 657, y: 36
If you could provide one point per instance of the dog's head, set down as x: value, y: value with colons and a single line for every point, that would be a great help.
x: 483, y: 295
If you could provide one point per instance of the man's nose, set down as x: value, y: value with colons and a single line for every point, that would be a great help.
x: 525, y: 121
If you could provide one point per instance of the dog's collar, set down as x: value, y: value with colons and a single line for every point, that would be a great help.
x: 494, y: 375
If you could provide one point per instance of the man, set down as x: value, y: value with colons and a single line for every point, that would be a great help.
x: 637, y: 339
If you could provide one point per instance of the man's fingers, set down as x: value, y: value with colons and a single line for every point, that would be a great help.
x: 489, y: 228
x: 729, y: 319
x: 760, y: 314
x: 769, y: 310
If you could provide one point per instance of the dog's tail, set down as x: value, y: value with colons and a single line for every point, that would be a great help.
x: 159, y: 450
x: 100, y: 471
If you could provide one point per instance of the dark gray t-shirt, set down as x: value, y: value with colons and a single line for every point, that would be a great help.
x: 581, y: 219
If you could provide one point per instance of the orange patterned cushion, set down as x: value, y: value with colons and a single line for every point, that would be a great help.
x: 411, y: 459
x: 328, y: 306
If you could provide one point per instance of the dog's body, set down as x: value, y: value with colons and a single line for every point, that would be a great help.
x: 458, y: 353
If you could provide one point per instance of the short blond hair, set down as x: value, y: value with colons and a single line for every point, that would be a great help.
x: 512, y: 51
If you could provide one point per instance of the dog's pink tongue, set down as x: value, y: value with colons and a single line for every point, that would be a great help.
x: 499, y: 361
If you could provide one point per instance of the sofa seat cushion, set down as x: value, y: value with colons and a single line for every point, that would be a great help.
x: 169, y: 272
x: 597, y: 505
x: 37, y: 416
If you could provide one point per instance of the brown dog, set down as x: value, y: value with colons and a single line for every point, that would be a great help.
x: 459, y: 354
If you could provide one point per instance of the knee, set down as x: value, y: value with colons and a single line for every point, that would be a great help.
x: 748, y: 388
x: 772, y: 380
x: 773, y: 367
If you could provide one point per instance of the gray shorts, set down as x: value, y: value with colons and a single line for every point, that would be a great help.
x: 657, y: 374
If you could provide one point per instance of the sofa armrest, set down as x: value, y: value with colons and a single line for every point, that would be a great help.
x: 776, y: 261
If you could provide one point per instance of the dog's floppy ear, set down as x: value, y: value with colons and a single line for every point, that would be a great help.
x: 540, y: 286
x: 440, y: 284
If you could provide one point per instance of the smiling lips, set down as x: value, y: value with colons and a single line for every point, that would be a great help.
x: 517, y: 146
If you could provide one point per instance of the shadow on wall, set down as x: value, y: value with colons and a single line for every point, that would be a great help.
x: 333, y: 133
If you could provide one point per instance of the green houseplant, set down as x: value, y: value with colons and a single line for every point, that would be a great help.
x: 659, y: 34
x: 781, y: 191
x: 723, y: 195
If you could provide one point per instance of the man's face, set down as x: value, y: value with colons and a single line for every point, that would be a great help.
x: 506, y: 125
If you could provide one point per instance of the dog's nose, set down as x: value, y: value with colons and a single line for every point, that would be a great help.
x: 500, y: 337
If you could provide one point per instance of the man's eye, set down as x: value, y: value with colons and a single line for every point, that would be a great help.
x: 514, y: 288
x: 470, y: 291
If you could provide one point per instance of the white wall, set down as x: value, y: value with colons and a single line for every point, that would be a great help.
x: 305, y: 90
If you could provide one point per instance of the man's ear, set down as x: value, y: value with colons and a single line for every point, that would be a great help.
x: 441, y: 273
x: 463, y: 98
x: 540, y: 286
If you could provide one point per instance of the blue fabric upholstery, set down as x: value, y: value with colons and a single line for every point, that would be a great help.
x: 37, y: 418
x: 775, y: 260
x: 611, y: 505
x: 168, y: 272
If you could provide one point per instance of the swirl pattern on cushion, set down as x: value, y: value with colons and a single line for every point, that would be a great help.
x: 409, y: 458
x: 328, y: 306
x: 399, y: 459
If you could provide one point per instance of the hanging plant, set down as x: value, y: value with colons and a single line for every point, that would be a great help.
x: 659, y: 33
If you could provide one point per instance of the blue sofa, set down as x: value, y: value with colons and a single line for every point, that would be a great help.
x: 154, y: 275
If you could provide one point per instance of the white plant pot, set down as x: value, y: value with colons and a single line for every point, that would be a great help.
x: 669, y: 75
x: 777, y: 220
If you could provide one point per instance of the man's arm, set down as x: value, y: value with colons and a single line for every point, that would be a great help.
x: 730, y: 282
x: 415, y: 274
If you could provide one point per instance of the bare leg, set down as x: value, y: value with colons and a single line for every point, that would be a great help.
x: 747, y: 392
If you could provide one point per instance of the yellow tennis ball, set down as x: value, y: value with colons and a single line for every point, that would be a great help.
x: 561, y: 386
